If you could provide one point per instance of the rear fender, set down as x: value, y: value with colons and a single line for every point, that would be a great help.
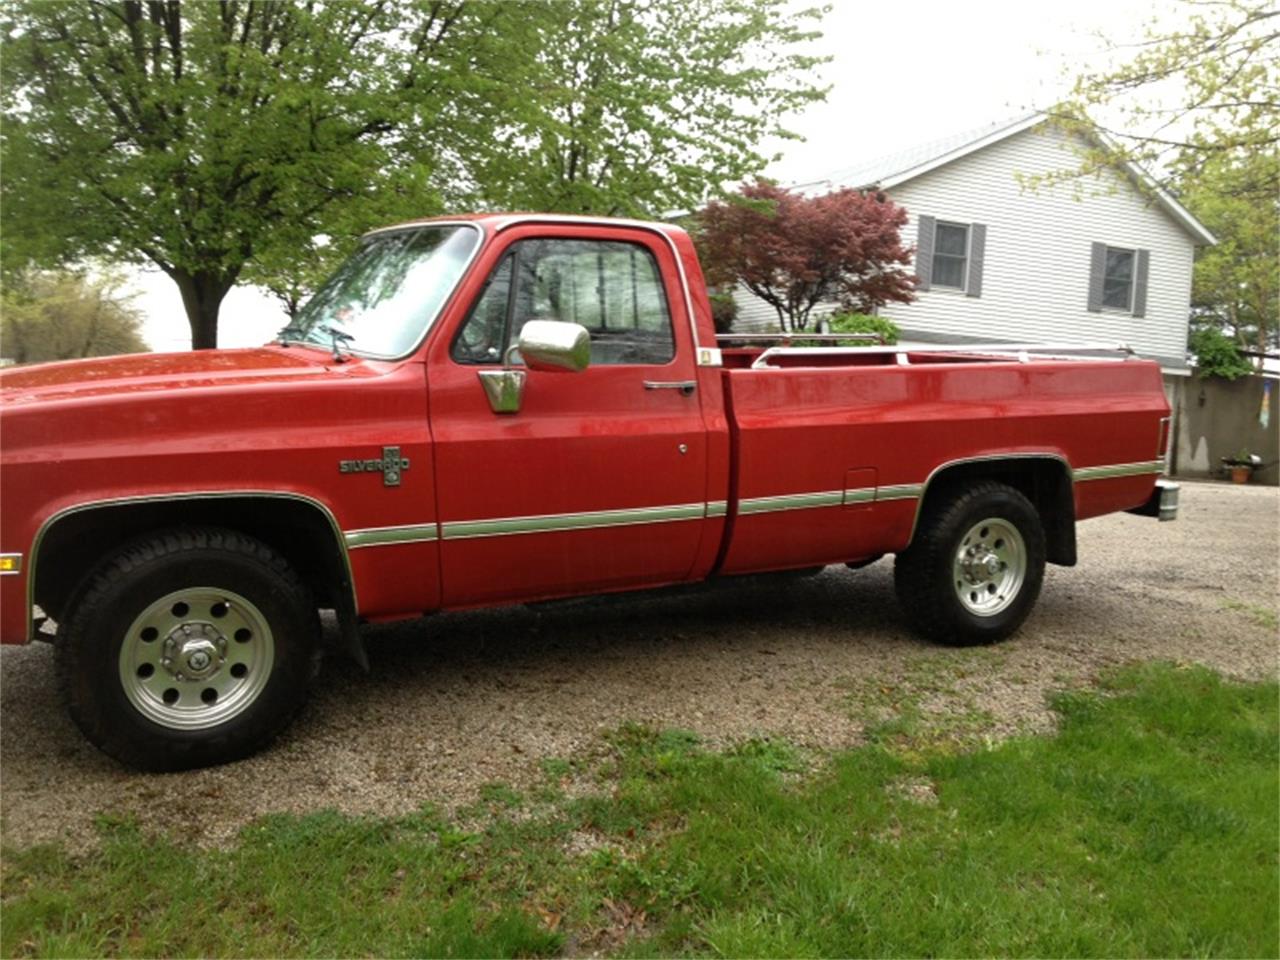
x: 1043, y: 478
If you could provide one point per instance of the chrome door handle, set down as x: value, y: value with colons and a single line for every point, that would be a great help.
x: 686, y: 387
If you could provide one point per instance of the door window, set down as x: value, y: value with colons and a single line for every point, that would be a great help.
x: 612, y: 288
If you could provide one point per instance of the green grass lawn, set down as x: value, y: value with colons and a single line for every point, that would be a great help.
x: 1148, y: 826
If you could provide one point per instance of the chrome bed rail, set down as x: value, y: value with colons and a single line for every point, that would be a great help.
x: 788, y: 337
x: 1021, y: 352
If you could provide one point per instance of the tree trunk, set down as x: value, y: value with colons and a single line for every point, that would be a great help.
x: 202, y: 295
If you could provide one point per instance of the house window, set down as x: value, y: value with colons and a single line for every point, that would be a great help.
x: 950, y: 254
x: 1117, y: 278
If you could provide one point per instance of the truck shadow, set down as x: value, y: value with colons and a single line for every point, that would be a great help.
x: 738, y: 615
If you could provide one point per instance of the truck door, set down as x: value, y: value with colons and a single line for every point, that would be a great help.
x: 599, y: 480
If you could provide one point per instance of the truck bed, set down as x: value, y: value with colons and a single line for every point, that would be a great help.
x: 832, y: 451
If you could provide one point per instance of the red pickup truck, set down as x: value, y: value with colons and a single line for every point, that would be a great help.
x: 507, y: 408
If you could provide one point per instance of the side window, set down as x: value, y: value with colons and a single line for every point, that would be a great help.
x: 612, y: 288
x: 950, y: 254
x: 1117, y: 279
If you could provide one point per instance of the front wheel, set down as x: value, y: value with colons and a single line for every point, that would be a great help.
x: 188, y: 648
x: 973, y: 571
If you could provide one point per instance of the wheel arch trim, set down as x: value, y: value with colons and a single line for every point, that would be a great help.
x: 108, y: 502
x: 1045, y: 455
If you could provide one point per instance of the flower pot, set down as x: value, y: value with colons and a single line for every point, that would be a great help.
x: 1240, y: 473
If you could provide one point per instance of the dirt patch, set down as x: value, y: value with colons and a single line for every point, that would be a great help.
x: 459, y: 701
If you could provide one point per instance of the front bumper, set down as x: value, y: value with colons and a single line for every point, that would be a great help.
x: 1163, y: 502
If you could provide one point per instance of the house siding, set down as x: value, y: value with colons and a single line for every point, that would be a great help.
x: 754, y: 315
x: 1035, y: 282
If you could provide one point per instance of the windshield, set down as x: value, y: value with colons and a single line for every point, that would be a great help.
x: 386, y: 296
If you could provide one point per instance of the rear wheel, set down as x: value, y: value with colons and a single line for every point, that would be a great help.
x: 188, y: 648
x: 974, y: 570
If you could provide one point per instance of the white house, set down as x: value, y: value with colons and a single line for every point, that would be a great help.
x: 1105, y: 259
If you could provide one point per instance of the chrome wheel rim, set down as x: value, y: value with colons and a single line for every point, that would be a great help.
x: 989, y: 567
x: 195, y: 658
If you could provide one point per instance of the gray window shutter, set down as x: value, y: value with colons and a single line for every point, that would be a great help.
x: 1097, y: 265
x: 924, y: 251
x: 977, y: 253
x: 1140, y: 283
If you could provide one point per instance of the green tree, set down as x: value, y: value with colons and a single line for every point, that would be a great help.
x: 218, y: 140
x: 1236, y: 285
x: 183, y: 134
x: 1199, y: 102
x: 645, y: 107
x: 1202, y: 83
x: 52, y: 315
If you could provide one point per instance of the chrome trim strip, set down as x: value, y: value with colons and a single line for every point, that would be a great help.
x: 16, y: 564
x: 170, y: 497
x: 901, y: 491
x: 552, y: 523
x: 390, y: 536
x: 1108, y: 471
x: 829, y: 498
x: 567, y: 220
x: 717, y: 508
x: 791, y: 501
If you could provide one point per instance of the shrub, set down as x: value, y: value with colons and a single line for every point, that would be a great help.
x: 1216, y: 355
x: 886, y: 329
x: 724, y: 310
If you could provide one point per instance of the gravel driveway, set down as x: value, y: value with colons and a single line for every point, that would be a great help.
x: 460, y: 700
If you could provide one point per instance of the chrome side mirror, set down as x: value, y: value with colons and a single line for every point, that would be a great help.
x: 548, y: 345
x: 554, y: 345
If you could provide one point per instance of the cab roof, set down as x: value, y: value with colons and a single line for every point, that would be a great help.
x: 497, y: 222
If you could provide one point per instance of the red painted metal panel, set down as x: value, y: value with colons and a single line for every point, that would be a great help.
x: 13, y: 609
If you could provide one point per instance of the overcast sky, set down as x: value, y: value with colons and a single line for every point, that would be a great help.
x: 904, y: 72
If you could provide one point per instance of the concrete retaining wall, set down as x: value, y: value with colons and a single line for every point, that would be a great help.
x: 1215, y: 418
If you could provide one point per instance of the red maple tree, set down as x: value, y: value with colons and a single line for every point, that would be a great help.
x: 795, y: 252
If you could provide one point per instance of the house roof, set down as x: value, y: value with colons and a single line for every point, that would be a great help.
x: 892, y: 169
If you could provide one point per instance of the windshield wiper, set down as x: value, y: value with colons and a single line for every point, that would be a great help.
x: 339, y: 336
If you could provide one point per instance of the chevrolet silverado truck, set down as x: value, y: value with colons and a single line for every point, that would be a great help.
x: 512, y: 408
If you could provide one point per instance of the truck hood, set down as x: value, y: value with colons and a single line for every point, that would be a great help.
x: 102, y: 377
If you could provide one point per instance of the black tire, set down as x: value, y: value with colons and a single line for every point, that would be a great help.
x: 258, y: 670
x: 941, y: 597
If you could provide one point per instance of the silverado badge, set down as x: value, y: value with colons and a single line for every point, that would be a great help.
x: 391, y: 465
